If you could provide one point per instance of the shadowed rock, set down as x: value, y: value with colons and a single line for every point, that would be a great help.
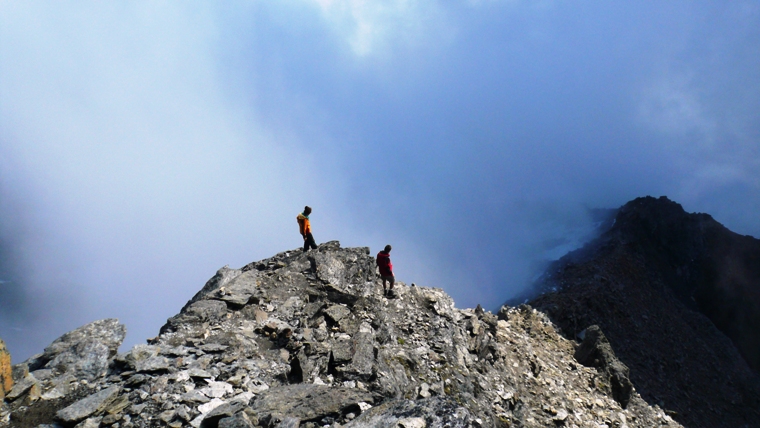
x: 596, y: 351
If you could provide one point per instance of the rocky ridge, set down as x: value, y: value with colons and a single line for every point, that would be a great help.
x: 307, y: 339
x: 678, y: 297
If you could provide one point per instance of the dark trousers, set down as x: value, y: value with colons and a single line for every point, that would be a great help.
x: 309, y: 242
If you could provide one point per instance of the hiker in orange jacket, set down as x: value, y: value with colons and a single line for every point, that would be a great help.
x: 386, y: 270
x: 304, y: 226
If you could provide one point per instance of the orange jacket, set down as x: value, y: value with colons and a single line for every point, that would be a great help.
x: 304, y: 225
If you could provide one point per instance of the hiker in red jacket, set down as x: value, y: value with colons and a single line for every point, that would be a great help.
x: 386, y: 270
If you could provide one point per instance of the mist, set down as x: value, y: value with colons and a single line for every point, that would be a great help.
x: 144, y: 146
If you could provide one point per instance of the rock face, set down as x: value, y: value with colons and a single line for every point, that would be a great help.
x: 6, y: 374
x: 595, y: 351
x: 678, y: 297
x: 83, y: 353
x: 307, y: 340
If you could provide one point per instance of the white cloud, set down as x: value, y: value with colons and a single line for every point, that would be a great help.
x: 137, y: 177
x: 706, y: 145
x: 671, y: 104
x: 374, y: 27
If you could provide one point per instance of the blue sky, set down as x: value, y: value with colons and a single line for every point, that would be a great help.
x: 145, y: 145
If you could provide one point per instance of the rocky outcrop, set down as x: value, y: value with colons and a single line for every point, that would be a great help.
x: 674, y: 293
x: 307, y: 340
x: 595, y: 351
x: 83, y: 353
x: 63, y: 373
x: 6, y: 373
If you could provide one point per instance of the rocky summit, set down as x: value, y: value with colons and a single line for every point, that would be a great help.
x: 308, y: 340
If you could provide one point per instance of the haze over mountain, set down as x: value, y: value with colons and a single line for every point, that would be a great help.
x: 143, y: 146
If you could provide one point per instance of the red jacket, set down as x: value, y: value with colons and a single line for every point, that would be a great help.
x: 384, y: 263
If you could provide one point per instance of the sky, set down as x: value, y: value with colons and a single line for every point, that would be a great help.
x: 144, y: 145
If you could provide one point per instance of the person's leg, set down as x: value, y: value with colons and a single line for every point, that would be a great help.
x: 385, y: 291
x: 310, y: 239
x: 309, y: 242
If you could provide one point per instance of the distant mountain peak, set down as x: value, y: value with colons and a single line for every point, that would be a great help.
x: 678, y: 296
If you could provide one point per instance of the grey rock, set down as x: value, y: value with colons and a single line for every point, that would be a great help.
x: 198, y: 312
x: 307, y: 402
x: 22, y: 387
x: 341, y: 351
x: 88, y: 405
x: 110, y: 419
x: 337, y: 312
x: 199, y: 373
x: 213, y: 347
x: 289, y: 423
x: 167, y: 415
x: 207, y: 310
x: 239, y: 420
x: 85, y: 352
x: 226, y: 410
x: 223, y: 277
x: 435, y: 412
x: 596, y: 351
x: 20, y: 371
x: 412, y: 423
x: 153, y: 364
x: 194, y: 397
x: 137, y: 356
x: 361, y: 354
x: 239, y: 290
x: 89, y: 423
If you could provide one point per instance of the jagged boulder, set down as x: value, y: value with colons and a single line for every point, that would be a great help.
x: 6, y: 371
x: 596, y: 351
x: 84, y: 353
x: 76, y: 358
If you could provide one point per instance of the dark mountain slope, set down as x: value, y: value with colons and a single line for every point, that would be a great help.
x: 678, y: 296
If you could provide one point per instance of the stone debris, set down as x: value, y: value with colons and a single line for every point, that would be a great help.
x: 308, y: 340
